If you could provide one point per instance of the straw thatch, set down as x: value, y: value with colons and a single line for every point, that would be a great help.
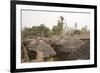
x: 31, y: 54
x: 69, y: 44
x: 85, y: 35
x: 82, y: 53
x: 46, y: 49
x: 24, y: 55
x: 33, y: 43
x: 35, y: 55
x: 43, y: 47
x: 47, y: 40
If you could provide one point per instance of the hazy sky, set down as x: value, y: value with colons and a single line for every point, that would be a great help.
x: 35, y: 18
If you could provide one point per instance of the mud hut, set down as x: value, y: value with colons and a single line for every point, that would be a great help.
x: 35, y: 55
x: 45, y: 48
x: 69, y: 44
x: 82, y: 53
x: 47, y: 40
x: 84, y: 36
x: 24, y: 55
x: 65, y: 46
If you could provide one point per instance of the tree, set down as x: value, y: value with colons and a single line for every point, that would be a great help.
x: 77, y: 32
x: 57, y: 30
x: 61, y: 23
x: 84, y: 29
x: 76, y: 25
x: 26, y: 32
x: 41, y: 31
x: 62, y: 18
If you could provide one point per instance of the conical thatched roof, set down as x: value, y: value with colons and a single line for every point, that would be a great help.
x: 42, y: 46
x: 82, y: 53
x: 47, y: 40
x: 46, y: 48
x: 33, y: 43
x: 69, y: 44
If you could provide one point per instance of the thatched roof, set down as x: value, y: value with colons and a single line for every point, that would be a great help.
x: 81, y: 53
x: 69, y: 44
x: 43, y: 46
x: 24, y: 53
x: 47, y: 40
x: 46, y: 48
x: 35, y: 55
x: 85, y: 35
x: 26, y: 41
x: 33, y: 43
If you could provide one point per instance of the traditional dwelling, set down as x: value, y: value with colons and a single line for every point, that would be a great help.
x: 43, y: 47
x: 65, y: 46
x: 24, y: 55
x: 82, y: 53
x: 84, y: 36
x: 47, y: 40
x: 34, y: 55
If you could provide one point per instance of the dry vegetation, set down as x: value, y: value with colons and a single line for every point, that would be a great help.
x: 40, y: 43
